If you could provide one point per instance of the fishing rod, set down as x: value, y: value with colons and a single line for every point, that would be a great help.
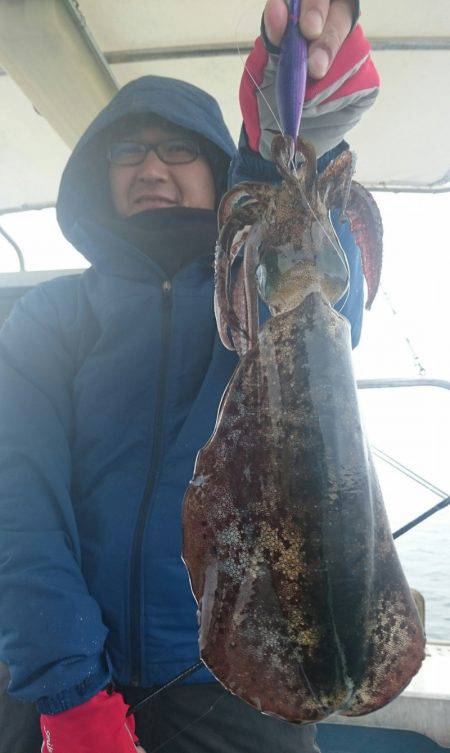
x: 413, y: 523
x: 182, y: 676
x: 444, y: 502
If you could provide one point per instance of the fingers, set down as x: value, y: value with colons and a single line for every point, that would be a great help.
x: 312, y: 18
x: 139, y: 749
x: 324, y: 23
x: 275, y: 20
x: 325, y: 47
x: 313, y: 15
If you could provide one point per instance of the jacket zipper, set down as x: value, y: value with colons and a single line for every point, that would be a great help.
x: 135, y: 586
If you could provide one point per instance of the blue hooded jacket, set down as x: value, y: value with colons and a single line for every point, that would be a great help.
x: 110, y: 383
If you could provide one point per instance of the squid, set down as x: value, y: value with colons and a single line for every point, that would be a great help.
x: 303, y: 607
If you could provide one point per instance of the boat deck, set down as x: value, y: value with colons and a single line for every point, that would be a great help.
x: 418, y: 721
x: 333, y: 738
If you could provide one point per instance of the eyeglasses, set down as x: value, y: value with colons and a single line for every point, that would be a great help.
x: 170, y: 151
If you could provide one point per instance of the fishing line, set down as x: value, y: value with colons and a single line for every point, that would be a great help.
x: 402, y: 330
x: 248, y: 71
x: 445, y: 499
x: 151, y: 696
x: 408, y: 472
x: 338, y: 249
x: 190, y: 724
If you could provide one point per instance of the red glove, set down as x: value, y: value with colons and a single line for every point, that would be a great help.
x: 98, y: 726
x: 333, y: 104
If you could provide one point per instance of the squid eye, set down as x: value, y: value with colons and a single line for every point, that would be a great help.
x: 299, y: 160
x: 243, y: 200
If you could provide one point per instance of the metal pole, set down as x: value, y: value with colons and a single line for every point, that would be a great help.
x: 16, y: 248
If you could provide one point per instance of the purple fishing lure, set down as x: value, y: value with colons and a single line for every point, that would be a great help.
x: 291, y: 74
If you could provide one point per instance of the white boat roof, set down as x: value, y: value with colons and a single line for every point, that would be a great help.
x: 93, y: 46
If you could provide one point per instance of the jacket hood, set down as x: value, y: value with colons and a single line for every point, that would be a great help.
x: 84, y: 189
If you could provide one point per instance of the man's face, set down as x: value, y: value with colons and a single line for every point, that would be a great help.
x: 154, y: 185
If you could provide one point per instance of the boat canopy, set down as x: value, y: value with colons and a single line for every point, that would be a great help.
x: 62, y: 60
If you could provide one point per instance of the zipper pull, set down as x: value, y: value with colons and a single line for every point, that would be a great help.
x: 167, y: 294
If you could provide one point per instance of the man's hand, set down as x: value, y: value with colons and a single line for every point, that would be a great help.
x: 139, y: 749
x: 324, y: 23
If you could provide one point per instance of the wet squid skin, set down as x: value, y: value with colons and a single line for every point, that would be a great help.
x: 304, y: 610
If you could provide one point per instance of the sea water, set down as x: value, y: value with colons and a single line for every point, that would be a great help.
x: 411, y: 426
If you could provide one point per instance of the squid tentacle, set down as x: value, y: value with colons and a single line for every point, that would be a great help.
x: 335, y: 182
x: 226, y: 253
x: 355, y: 202
x: 245, y: 192
x: 251, y: 261
x: 310, y: 167
x: 367, y: 227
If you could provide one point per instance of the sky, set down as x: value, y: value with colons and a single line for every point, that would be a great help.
x: 406, y: 334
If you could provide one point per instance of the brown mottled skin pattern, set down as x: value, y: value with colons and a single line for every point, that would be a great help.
x: 304, y: 610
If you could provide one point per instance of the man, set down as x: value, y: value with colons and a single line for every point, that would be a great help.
x: 110, y: 384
